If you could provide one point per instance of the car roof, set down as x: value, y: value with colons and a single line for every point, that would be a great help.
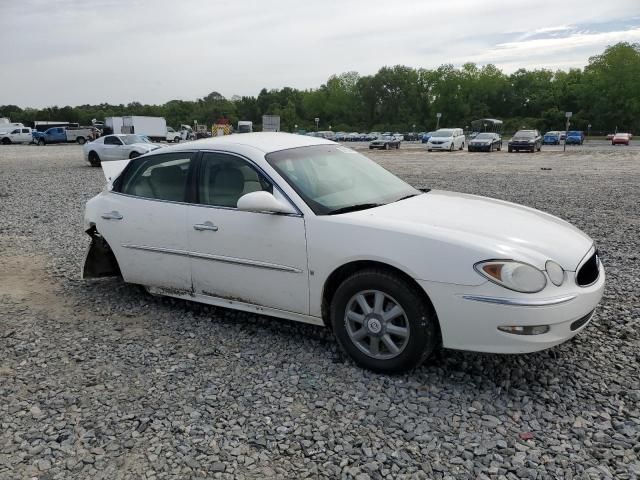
x: 266, y: 142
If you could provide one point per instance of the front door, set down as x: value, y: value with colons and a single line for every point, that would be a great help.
x: 112, y: 148
x: 249, y: 257
x: 144, y: 222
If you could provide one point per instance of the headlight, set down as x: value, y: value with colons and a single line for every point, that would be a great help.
x: 555, y: 272
x: 513, y: 275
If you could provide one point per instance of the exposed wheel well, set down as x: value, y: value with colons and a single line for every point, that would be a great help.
x: 100, y: 261
x: 341, y: 273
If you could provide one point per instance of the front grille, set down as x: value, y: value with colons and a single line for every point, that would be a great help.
x: 581, y: 321
x: 588, y: 272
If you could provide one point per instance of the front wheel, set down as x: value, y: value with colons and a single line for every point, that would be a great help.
x: 176, y: 140
x: 386, y: 146
x: 451, y: 147
x: 383, y: 322
x: 461, y: 146
x: 41, y: 142
x: 133, y: 155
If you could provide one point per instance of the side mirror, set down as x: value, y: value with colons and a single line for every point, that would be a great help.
x: 263, y: 202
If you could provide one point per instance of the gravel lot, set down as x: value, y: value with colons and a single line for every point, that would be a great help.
x: 99, y: 380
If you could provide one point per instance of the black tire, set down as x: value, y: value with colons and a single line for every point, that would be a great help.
x: 370, y: 148
x: 176, y: 140
x: 451, y: 147
x: 398, y: 146
x: 94, y: 159
x: 429, y: 150
x: 422, y: 323
x: 133, y: 155
x: 41, y: 142
x: 461, y: 146
x: 81, y: 140
x: 490, y: 147
x: 6, y: 141
x: 509, y: 149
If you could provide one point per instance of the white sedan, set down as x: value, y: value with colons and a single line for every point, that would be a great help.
x: 116, y: 147
x: 305, y: 229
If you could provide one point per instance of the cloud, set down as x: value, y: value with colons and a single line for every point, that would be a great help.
x: 152, y: 51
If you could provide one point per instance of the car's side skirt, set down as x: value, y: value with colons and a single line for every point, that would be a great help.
x: 237, y: 305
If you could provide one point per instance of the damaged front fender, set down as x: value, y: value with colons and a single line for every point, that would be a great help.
x: 99, y: 260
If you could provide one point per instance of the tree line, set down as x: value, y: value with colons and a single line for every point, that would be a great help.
x: 604, y: 94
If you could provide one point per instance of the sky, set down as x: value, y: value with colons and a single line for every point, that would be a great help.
x: 73, y: 52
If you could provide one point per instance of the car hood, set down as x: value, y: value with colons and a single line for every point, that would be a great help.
x: 499, y: 229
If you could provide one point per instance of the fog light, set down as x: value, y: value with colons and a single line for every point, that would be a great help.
x: 528, y: 330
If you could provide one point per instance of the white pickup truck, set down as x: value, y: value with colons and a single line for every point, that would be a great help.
x: 15, y: 135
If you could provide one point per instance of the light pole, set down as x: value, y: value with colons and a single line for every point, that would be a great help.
x: 438, y: 115
x: 588, y: 131
x: 566, y: 129
x: 295, y: 128
x: 317, y: 120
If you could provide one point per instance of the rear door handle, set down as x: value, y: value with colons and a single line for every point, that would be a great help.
x: 112, y: 215
x: 205, y: 226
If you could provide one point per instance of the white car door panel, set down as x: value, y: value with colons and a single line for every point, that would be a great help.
x: 250, y: 257
x: 145, y: 222
x: 148, y: 238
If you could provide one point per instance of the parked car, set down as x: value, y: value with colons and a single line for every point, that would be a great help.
x: 385, y: 142
x: 530, y: 140
x: 173, y: 136
x: 621, y: 139
x: 426, y: 136
x: 117, y: 147
x: 446, y: 139
x: 485, y: 142
x: 574, y: 137
x: 16, y: 135
x: 551, y: 138
x: 80, y: 135
x: 340, y: 241
x: 610, y: 136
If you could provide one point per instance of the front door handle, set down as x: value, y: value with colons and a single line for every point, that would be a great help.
x: 112, y: 215
x: 205, y: 226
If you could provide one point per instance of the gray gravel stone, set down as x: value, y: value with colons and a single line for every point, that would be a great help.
x: 99, y: 380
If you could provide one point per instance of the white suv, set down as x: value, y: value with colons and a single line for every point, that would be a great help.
x: 446, y: 139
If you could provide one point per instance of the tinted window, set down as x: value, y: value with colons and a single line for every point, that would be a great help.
x: 25, y: 130
x: 112, y: 141
x: 225, y: 178
x: 162, y: 177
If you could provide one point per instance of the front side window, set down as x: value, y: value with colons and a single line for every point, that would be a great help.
x: 112, y: 141
x: 161, y: 177
x: 225, y: 178
x: 333, y: 179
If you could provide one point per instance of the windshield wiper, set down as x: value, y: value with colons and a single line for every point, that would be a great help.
x: 354, y: 208
x: 407, y: 196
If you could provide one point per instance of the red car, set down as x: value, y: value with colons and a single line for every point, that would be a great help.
x: 621, y: 139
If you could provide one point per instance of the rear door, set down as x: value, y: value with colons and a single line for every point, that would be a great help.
x: 143, y: 220
x: 249, y: 257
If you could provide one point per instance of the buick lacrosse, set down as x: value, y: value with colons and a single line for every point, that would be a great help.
x: 305, y: 229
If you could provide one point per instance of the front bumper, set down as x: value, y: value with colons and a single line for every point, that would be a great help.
x: 479, y: 148
x: 469, y: 316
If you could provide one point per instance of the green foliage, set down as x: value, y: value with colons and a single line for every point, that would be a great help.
x: 606, y: 94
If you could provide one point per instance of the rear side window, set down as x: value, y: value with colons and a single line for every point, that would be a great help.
x: 160, y: 177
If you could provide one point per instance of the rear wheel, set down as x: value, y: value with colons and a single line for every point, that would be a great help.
x: 94, y: 159
x: 176, y: 140
x: 383, y: 322
x: 81, y: 140
x: 41, y: 142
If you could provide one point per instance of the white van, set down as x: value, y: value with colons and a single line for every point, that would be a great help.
x: 15, y: 135
x: 446, y: 139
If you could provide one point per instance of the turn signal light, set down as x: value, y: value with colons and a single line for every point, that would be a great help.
x: 528, y: 330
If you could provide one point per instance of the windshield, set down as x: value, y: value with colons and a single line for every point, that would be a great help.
x: 524, y: 135
x: 385, y: 137
x: 131, y: 139
x: 484, y: 136
x: 331, y: 178
x: 443, y: 133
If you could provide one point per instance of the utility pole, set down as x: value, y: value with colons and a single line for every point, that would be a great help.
x: 438, y: 115
x: 566, y: 129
